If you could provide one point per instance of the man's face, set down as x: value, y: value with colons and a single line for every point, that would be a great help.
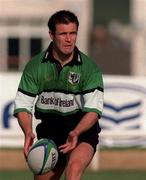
x: 64, y: 38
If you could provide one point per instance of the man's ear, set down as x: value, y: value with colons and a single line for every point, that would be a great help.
x: 51, y: 35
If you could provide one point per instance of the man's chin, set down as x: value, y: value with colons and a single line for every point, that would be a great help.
x: 67, y: 53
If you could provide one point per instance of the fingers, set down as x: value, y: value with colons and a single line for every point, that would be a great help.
x: 70, y: 144
x: 26, y: 153
x: 28, y: 143
x: 65, y: 148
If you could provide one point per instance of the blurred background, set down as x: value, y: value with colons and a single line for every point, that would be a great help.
x: 113, y: 34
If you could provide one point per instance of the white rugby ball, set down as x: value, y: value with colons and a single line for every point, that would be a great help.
x: 42, y: 156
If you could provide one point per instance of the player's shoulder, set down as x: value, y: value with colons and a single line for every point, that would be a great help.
x: 88, y: 62
x: 35, y: 61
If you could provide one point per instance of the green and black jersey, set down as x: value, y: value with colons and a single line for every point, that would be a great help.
x: 51, y: 88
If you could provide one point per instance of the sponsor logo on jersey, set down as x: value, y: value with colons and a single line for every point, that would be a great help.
x: 74, y: 78
x: 57, y: 101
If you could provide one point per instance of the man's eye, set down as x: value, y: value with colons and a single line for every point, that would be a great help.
x: 73, y: 33
x: 63, y: 33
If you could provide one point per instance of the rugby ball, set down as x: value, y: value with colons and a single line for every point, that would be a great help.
x: 42, y: 156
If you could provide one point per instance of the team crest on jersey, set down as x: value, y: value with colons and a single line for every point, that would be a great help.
x: 74, y: 78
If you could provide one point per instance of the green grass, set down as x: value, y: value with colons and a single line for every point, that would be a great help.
x: 99, y: 175
x: 114, y: 175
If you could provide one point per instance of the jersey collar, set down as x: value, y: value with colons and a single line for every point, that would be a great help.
x: 49, y: 56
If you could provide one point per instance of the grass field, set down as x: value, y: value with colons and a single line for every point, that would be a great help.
x: 99, y: 175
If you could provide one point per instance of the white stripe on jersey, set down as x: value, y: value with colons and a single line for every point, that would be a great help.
x: 94, y: 100
x: 24, y: 101
x: 65, y: 103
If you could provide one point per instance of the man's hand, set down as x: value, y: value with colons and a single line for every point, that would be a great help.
x: 70, y: 144
x: 29, y: 138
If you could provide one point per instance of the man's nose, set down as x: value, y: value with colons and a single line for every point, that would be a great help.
x: 68, y: 38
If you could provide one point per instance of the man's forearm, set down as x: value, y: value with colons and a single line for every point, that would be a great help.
x: 25, y: 122
x: 88, y: 120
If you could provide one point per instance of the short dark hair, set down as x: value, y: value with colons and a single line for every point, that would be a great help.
x: 62, y: 17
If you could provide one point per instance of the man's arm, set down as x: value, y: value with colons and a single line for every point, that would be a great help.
x: 25, y: 122
x: 88, y: 120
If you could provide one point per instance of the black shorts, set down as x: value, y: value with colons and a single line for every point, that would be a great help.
x: 57, y: 128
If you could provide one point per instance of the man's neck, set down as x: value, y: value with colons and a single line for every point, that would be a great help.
x: 62, y: 58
